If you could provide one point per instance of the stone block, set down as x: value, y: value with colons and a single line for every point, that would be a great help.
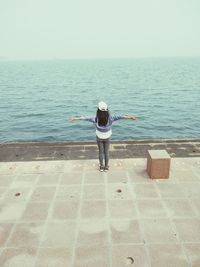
x: 158, y: 164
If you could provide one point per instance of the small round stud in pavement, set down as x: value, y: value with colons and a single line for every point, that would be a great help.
x: 129, y: 260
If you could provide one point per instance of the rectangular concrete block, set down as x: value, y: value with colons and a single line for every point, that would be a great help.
x: 158, y: 164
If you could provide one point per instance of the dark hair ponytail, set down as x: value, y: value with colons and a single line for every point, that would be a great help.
x: 102, y: 117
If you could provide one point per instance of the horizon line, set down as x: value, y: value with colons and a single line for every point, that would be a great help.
x: 95, y: 58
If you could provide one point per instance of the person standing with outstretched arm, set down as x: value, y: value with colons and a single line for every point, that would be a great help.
x: 103, y: 122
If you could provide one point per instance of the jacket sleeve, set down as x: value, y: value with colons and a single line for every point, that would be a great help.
x: 90, y: 119
x: 116, y: 118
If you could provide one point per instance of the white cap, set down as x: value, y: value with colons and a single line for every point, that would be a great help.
x: 102, y: 106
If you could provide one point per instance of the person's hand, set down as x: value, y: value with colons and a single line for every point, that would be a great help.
x: 133, y: 118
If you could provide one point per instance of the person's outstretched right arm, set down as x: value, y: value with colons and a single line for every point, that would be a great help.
x: 82, y: 119
x: 75, y: 119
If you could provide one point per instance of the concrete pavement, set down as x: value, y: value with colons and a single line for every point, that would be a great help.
x: 68, y: 214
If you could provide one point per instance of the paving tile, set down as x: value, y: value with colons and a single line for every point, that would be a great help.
x: 122, y: 209
x: 139, y: 175
x: 18, y: 194
x: 93, y: 209
x: 57, y: 167
x: 117, y: 164
x: 119, y: 191
x: 11, y: 211
x: 170, y: 190
x: 5, y: 229
x: 151, y: 208
x: 158, y: 231
x: 26, y: 235
x: 59, y: 235
x: 27, y: 192
x: 91, y: 165
x: 188, y: 229
x: 36, y: 211
x: 71, y: 192
x: 165, y: 255
x: 125, y: 231
x: 133, y: 255
x: 6, y: 180
x: 44, y: 193
x: 91, y: 256
x: 48, y: 179
x: 25, y: 166
x: 184, y: 175
x: 58, y: 257
x: 38, y: 167
x: 94, y: 177
x: 133, y: 163
x: 18, y: 257
x: 65, y: 210
x: 94, y: 192
x: 116, y: 176
x: 53, y: 166
x: 193, y: 252
x: 145, y: 191
x: 74, y: 166
x: 179, y: 208
x: 192, y: 190
x: 25, y: 180
x: 2, y: 192
x: 8, y: 168
x: 196, y: 204
x: 92, y: 232
x: 71, y: 178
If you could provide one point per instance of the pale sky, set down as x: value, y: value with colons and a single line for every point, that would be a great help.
x: 65, y: 29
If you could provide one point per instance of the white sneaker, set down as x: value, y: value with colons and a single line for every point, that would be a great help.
x: 101, y: 168
x: 106, y: 169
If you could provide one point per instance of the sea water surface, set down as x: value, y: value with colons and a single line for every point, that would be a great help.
x: 37, y: 98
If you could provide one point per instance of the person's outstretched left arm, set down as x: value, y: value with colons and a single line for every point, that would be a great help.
x: 121, y: 117
x: 129, y: 117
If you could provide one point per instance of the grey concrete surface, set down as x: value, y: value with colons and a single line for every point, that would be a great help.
x: 68, y: 214
x: 88, y: 150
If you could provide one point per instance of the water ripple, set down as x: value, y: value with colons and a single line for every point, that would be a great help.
x: 38, y: 97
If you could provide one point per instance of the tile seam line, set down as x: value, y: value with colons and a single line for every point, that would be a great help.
x: 138, y: 218
x: 115, y: 245
x: 108, y: 219
x: 39, y: 247
x: 78, y: 220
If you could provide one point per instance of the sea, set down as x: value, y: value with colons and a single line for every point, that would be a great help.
x: 38, y: 97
